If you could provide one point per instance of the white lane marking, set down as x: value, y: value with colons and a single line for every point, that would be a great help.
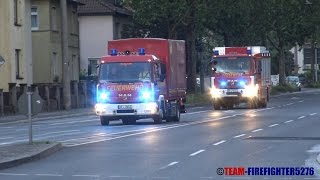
x: 85, y: 175
x: 6, y: 127
x: 257, y: 130
x: 53, y: 175
x: 121, y: 177
x: 58, y: 132
x: 289, y: 104
x: 301, y: 101
x: 312, y: 114
x: 239, y: 136
x: 301, y: 117
x: 145, y: 132
x: 273, y: 125
x: 220, y: 142
x: 173, y: 163
x: 288, y: 121
x: 196, y: 153
x: 249, y: 137
x: 196, y: 112
x: 1, y: 138
x: 196, y: 108
x: 12, y: 174
x: 72, y: 122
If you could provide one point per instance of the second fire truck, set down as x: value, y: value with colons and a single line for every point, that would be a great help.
x: 240, y: 74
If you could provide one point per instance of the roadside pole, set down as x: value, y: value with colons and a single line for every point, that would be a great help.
x: 29, y: 94
x: 315, y: 64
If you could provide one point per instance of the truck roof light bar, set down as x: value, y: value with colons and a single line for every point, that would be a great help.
x: 142, y: 51
x: 113, y: 52
x: 216, y: 52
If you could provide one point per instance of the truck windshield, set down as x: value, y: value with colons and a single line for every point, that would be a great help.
x: 127, y: 72
x: 233, y: 64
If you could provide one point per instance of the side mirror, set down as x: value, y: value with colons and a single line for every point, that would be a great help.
x: 214, y: 69
x: 162, y: 77
x: 97, y: 66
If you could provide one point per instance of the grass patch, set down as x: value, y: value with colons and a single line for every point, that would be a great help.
x: 199, y: 98
x: 313, y: 85
x: 282, y: 89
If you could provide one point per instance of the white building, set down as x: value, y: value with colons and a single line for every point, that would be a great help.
x: 99, y: 22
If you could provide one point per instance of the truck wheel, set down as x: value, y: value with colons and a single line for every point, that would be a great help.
x: 216, y: 106
x: 104, y: 120
x: 176, y: 117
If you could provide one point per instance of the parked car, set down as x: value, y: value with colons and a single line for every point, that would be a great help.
x: 294, y: 81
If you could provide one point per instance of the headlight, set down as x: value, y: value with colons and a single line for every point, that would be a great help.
x: 250, y: 91
x: 103, y: 96
x: 215, y: 93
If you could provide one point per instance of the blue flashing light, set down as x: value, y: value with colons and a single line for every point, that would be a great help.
x: 141, y: 51
x: 103, y: 96
x: 216, y: 52
x: 249, y: 51
x: 113, y: 52
x: 146, y: 95
x: 242, y: 83
x: 223, y: 83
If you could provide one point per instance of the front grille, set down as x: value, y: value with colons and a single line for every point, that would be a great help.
x: 125, y: 111
x: 233, y: 93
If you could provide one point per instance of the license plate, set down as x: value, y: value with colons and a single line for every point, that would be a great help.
x: 232, y: 90
x: 124, y: 106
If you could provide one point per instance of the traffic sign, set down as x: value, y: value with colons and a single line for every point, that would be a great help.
x: 308, y: 55
x: 36, y: 104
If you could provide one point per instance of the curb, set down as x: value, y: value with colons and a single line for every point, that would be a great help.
x: 318, y: 159
x: 47, y: 118
x: 35, y: 156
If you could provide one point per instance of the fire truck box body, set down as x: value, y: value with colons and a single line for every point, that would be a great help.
x: 128, y: 96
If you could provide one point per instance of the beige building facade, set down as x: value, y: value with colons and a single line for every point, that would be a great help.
x: 15, y: 43
x: 47, y: 43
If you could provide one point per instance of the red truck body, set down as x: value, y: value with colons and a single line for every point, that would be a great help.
x: 241, y: 74
x: 166, y: 65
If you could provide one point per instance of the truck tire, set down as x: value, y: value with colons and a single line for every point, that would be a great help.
x: 104, y: 120
x: 216, y: 106
x: 176, y: 117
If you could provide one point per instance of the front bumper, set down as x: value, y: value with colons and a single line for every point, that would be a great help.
x: 133, y: 109
x: 234, y: 93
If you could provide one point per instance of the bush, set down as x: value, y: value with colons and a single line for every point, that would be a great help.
x: 199, y: 99
x: 282, y: 89
x: 313, y: 85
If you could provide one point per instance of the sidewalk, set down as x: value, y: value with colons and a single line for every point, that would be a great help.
x: 16, y: 154
x: 49, y: 115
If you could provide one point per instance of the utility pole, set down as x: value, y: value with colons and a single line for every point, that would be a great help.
x: 315, y: 63
x: 65, y: 55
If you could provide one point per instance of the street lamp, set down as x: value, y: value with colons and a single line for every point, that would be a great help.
x: 2, y: 61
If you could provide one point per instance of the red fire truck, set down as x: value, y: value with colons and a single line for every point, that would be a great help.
x: 142, y: 78
x: 240, y: 74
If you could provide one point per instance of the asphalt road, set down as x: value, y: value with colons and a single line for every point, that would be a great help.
x: 286, y: 134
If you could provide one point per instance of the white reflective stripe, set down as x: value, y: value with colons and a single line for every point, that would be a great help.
x: 252, y: 80
x: 212, y: 82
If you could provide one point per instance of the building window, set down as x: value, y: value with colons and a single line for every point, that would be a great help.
x: 17, y: 18
x: 54, y: 64
x: 34, y: 18
x: 73, y: 66
x: 73, y: 22
x: 18, y: 59
x: 118, y: 32
x: 92, y: 66
x: 54, y: 18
